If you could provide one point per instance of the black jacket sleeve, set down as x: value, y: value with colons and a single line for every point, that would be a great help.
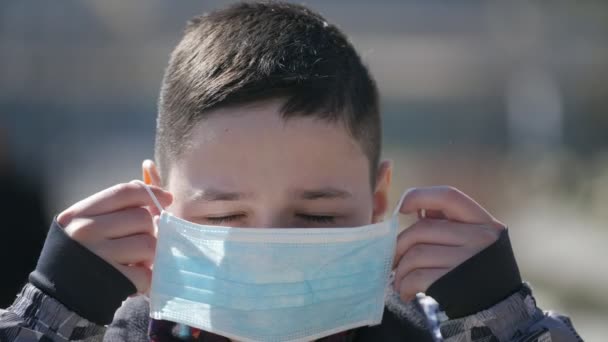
x: 485, y: 279
x: 79, y: 279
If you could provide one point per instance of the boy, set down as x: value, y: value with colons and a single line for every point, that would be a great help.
x: 267, y: 118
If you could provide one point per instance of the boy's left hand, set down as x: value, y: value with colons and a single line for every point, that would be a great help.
x: 454, y: 229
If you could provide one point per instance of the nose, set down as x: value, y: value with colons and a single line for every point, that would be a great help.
x: 270, y: 220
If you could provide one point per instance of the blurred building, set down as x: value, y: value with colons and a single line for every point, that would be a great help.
x: 78, y: 74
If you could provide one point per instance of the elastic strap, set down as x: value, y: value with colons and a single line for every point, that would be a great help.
x: 154, y: 199
x: 422, y: 212
x: 399, y: 204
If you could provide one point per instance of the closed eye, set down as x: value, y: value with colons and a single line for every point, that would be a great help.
x: 224, y: 219
x: 317, y: 218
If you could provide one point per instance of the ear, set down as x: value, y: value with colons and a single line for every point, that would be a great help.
x: 150, y: 173
x: 383, y: 184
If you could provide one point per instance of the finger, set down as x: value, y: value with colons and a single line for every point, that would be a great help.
x: 128, y: 250
x: 153, y: 210
x: 126, y: 222
x: 111, y: 226
x: 429, y: 256
x: 419, y: 281
x: 148, y: 263
x: 453, y: 203
x: 140, y: 276
x: 432, y: 214
x: 121, y: 196
x: 438, y: 232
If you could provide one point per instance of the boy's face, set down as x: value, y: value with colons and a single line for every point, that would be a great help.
x: 246, y: 166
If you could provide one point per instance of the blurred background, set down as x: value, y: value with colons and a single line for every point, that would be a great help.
x: 505, y: 100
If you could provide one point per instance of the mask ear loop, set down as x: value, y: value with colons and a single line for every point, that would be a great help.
x: 391, y: 279
x: 399, y: 204
x: 421, y: 213
x: 407, y: 220
x: 160, y: 209
x: 149, y: 191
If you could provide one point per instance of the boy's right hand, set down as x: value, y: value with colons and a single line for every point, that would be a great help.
x: 117, y: 225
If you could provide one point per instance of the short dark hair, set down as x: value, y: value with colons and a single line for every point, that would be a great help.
x: 262, y: 50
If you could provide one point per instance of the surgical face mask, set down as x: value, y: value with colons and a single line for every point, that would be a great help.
x: 258, y: 284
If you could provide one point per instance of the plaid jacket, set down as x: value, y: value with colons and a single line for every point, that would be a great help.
x: 36, y: 317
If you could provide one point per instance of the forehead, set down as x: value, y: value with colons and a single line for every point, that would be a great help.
x: 253, y: 146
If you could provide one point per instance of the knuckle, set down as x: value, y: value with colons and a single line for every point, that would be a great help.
x: 419, y: 229
x: 124, y: 188
x: 414, y: 233
x: 451, y: 193
x: 416, y: 229
x: 80, y: 229
x: 416, y: 252
x: 402, y: 245
x: 417, y: 276
x: 65, y: 217
x: 401, y: 270
x: 142, y: 215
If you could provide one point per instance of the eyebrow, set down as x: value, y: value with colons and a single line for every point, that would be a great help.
x: 323, y: 193
x: 211, y: 194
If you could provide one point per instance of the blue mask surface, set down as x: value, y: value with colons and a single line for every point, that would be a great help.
x: 257, y: 284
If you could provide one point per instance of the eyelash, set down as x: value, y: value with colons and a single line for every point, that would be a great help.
x: 311, y: 218
x: 317, y: 218
x: 221, y: 219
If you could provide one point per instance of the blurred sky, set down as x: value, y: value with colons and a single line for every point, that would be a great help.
x: 506, y: 100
